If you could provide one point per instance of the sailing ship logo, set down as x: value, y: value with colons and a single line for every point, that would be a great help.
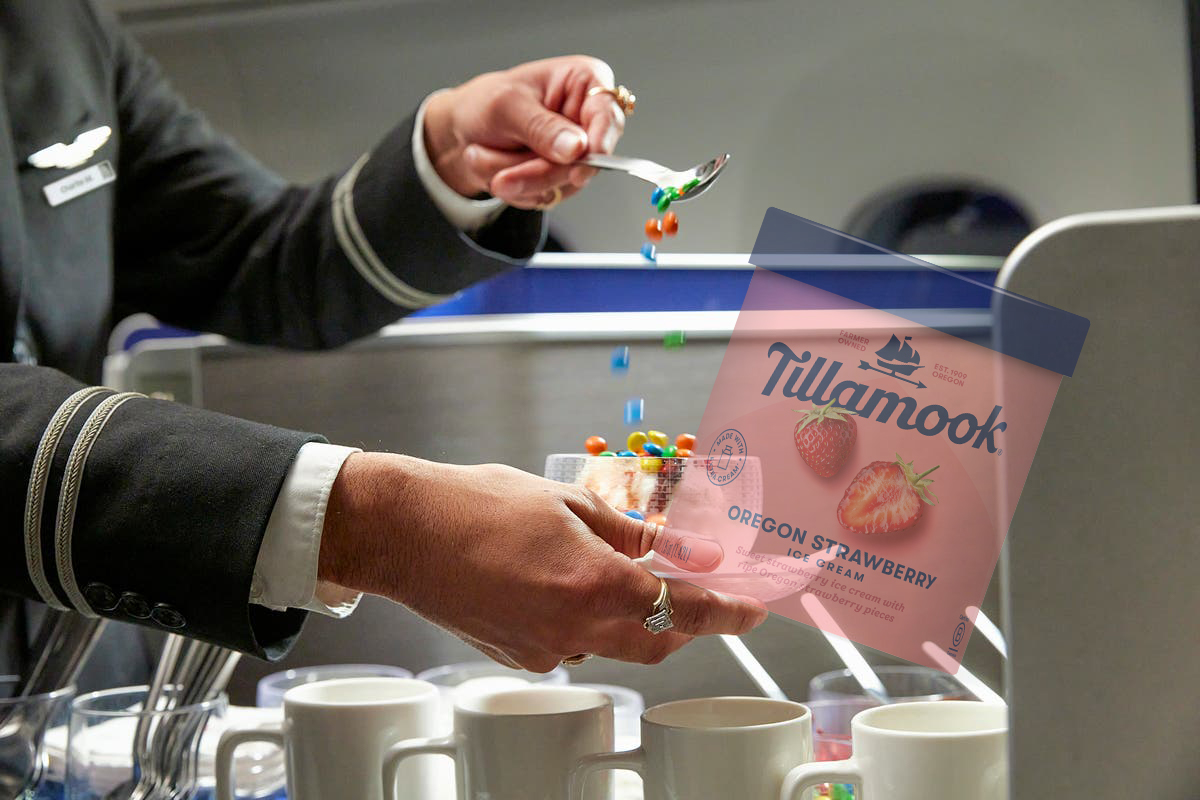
x: 898, y: 359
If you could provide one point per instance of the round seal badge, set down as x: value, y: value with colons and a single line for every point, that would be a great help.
x: 726, y: 457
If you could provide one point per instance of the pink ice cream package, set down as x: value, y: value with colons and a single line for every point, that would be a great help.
x: 887, y: 449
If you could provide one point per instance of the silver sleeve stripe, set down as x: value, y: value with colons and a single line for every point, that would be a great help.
x: 69, y: 496
x: 360, y: 253
x: 35, y: 495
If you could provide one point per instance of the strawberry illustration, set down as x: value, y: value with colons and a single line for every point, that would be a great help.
x: 825, y: 436
x: 885, y: 496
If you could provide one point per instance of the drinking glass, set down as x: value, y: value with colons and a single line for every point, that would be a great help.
x: 101, y: 759
x: 904, y: 684
x: 832, y: 740
x: 26, y: 772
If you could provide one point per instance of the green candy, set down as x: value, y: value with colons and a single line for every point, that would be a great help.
x: 692, y: 184
x: 673, y: 193
x: 669, y: 451
x: 664, y: 202
x: 606, y: 453
x: 674, y: 340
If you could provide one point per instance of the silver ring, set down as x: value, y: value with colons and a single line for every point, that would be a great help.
x: 660, y: 614
x: 575, y: 661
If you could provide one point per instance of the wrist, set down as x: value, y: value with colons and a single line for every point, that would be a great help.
x: 445, y: 148
x: 360, y: 538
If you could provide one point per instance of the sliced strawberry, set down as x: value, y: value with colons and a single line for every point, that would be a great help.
x: 825, y: 436
x: 885, y: 496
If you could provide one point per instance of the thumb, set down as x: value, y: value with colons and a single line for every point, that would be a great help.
x: 635, y: 538
x: 552, y: 136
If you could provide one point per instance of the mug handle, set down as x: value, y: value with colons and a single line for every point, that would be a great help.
x: 441, y: 746
x: 628, y: 759
x: 809, y: 775
x: 230, y: 741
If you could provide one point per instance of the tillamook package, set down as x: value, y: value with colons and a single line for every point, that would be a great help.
x: 891, y: 446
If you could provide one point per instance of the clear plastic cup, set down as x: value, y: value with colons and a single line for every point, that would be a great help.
x: 272, y: 687
x: 831, y: 737
x: 450, y: 676
x: 904, y: 684
x: 25, y: 769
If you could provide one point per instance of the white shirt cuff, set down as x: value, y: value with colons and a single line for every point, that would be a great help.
x: 462, y: 212
x: 285, y: 575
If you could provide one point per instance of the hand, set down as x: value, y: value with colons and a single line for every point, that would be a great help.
x: 527, y: 570
x: 512, y: 133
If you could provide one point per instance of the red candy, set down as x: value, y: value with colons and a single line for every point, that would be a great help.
x: 595, y: 445
x: 670, y: 223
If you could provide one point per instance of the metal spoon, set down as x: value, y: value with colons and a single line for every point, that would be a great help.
x: 659, y: 175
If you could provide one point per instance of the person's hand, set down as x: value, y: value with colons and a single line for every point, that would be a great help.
x: 512, y: 134
x: 527, y: 570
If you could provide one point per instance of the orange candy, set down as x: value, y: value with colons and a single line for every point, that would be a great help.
x: 653, y: 232
x: 683, y: 452
x: 685, y: 441
x: 595, y: 445
x: 670, y: 223
x: 657, y: 519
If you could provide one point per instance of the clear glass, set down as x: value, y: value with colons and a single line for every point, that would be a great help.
x: 271, y: 688
x: 102, y: 764
x: 908, y: 684
x: 27, y: 769
x: 831, y: 738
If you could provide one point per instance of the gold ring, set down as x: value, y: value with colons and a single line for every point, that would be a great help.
x: 626, y: 99
x: 660, y: 614
x: 575, y: 661
x: 558, y: 196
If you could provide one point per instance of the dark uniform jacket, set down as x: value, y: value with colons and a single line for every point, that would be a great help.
x: 152, y: 511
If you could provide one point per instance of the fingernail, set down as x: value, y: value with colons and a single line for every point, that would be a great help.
x: 701, y: 553
x: 610, y: 140
x: 567, y: 144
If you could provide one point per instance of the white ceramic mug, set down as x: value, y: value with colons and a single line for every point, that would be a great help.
x: 518, y: 744
x: 712, y: 748
x: 335, y: 733
x: 914, y: 751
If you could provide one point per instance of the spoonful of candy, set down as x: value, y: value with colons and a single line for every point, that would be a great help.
x: 676, y: 186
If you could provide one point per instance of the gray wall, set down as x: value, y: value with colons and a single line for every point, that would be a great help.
x: 1072, y: 105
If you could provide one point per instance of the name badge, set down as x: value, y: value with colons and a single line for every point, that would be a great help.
x: 79, y: 183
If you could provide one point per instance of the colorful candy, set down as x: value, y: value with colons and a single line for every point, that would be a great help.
x: 635, y: 514
x: 669, y: 451
x: 651, y: 464
x: 649, y: 253
x: 685, y: 441
x: 664, y: 203
x: 620, y: 359
x: 658, y: 437
x: 626, y: 454
x: 652, y: 449
x: 636, y: 440
x: 683, y: 452
x: 669, y: 226
x: 655, y: 196
x: 657, y: 519
x: 595, y: 445
x: 633, y: 411
x: 607, y: 453
x: 674, y: 340
x: 654, y: 231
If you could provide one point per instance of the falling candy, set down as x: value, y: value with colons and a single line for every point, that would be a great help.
x: 655, y: 196
x: 654, y: 231
x: 649, y: 252
x: 664, y: 203
x: 620, y: 359
x: 633, y: 411
x: 670, y: 224
x: 674, y: 340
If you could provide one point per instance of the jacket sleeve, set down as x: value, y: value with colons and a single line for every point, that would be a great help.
x: 139, y: 510
x: 209, y: 239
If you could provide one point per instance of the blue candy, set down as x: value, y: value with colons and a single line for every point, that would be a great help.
x: 633, y: 410
x: 635, y: 514
x: 649, y: 252
x: 655, y: 196
x: 626, y: 454
x: 620, y: 359
x: 652, y: 449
